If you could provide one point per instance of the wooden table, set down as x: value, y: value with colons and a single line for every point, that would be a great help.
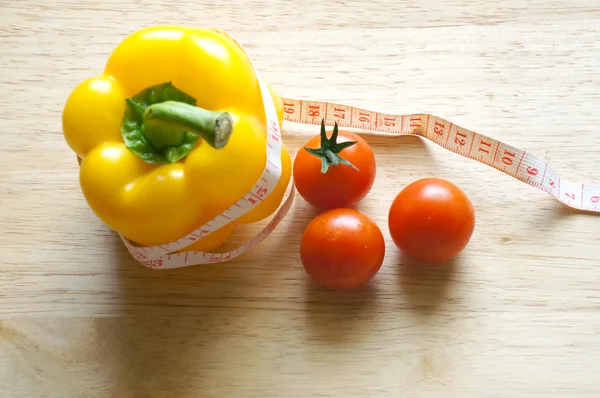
x: 518, y: 315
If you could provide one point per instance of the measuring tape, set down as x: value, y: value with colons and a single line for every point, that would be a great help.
x: 515, y: 162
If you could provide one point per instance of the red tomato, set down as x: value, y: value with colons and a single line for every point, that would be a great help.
x: 332, y: 172
x: 431, y: 220
x: 342, y: 249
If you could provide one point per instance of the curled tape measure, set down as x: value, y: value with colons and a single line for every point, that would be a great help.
x: 515, y: 162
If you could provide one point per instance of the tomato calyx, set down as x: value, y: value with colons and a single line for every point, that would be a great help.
x: 330, y: 149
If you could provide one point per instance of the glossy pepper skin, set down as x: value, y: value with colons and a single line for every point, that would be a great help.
x: 170, y: 181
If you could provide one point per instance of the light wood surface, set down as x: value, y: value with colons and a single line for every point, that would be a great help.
x: 516, y: 315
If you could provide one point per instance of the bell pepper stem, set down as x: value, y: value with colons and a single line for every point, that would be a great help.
x: 165, y: 124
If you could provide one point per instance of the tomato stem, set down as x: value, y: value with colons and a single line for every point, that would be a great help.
x: 330, y: 149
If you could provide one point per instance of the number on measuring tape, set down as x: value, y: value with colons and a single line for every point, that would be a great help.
x: 288, y: 108
x: 339, y: 113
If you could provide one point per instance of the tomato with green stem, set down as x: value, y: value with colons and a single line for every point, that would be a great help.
x: 334, y: 171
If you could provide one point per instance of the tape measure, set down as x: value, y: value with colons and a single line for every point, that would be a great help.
x: 515, y: 162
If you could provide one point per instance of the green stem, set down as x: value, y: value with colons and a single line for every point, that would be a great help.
x: 165, y: 124
x: 162, y: 124
x: 331, y: 157
x: 330, y: 149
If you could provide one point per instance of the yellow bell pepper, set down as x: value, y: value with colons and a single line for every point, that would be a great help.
x: 171, y: 134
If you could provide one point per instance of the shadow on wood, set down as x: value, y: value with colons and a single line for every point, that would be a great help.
x: 340, y: 316
x: 427, y: 286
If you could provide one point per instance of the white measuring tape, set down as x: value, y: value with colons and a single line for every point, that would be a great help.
x: 515, y: 162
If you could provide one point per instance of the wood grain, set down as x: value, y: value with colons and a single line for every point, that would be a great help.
x: 516, y: 315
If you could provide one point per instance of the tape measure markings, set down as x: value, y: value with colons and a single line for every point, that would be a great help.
x: 506, y: 158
